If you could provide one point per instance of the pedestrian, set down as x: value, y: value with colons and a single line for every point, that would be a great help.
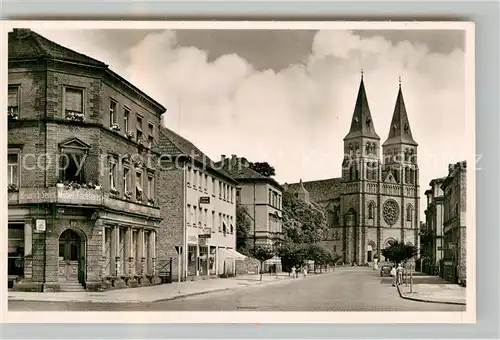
x: 400, y: 274
x: 394, y: 276
x: 305, y: 272
x: 293, y: 272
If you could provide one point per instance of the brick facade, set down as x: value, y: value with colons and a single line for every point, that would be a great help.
x: 112, y: 238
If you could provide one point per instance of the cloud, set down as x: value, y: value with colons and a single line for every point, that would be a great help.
x: 296, y: 118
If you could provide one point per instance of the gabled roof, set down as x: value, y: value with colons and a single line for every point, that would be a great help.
x: 174, y: 145
x: 362, y: 122
x: 400, y: 131
x: 75, y: 143
x: 321, y: 190
x: 24, y: 43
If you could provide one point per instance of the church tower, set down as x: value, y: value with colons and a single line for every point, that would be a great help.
x: 360, y: 175
x: 400, y: 179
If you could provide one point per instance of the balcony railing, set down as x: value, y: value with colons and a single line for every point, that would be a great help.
x: 80, y: 196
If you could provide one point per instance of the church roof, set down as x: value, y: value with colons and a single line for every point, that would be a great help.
x: 400, y: 131
x: 362, y: 122
x: 321, y: 190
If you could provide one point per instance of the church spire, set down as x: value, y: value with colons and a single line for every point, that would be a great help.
x: 362, y: 122
x: 400, y: 131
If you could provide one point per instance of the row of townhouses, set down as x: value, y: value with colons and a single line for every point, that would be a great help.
x: 101, y: 195
x: 444, y: 245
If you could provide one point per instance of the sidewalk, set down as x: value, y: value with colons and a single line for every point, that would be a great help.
x: 434, y: 293
x: 154, y: 293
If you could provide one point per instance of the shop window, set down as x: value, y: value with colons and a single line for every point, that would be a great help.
x: 15, y: 249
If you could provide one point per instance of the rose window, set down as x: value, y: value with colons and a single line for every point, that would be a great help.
x: 390, y: 212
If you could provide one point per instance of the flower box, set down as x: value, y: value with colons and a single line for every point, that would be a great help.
x: 130, y: 135
x: 114, y: 192
x: 115, y: 127
x: 75, y: 116
x: 128, y: 195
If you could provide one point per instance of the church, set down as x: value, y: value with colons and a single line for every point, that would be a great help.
x: 377, y: 198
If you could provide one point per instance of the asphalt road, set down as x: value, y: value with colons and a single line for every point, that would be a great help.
x: 356, y: 289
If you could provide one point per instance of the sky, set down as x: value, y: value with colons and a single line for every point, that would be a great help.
x: 287, y: 97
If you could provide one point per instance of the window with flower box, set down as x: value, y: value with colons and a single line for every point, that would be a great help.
x: 13, y: 102
x: 73, y: 104
x: 112, y: 112
x: 126, y: 119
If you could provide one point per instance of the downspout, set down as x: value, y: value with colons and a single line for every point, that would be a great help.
x: 45, y: 184
x: 184, y: 225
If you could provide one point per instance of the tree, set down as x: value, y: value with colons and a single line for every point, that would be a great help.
x: 263, y: 168
x: 262, y: 253
x: 398, y: 252
x: 242, y: 228
x: 292, y: 254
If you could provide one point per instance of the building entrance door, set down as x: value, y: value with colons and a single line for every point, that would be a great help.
x: 71, y: 257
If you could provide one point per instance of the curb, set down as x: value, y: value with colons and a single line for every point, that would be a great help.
x: 429, y: 301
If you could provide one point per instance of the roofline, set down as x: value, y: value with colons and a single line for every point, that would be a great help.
x: 259, y: 179
x: 389, y: 143
x: 104, y: 67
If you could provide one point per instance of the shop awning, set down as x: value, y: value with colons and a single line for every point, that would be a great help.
x: 231, y: 254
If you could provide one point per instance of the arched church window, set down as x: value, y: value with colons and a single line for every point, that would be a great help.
x: 407, y: 175
x: 409, y: 213
x: 371, y: 208
x: 351, y: 172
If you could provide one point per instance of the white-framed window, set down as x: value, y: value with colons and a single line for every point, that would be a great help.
x: 220, y: 222
x: 138, y: 128
x: 73, y: 101
x: 126, y: 180
x: 206, y: 184
x: 126, y: 119
x: 13, y: 100
x: 213, y: 221
x: 200, y: 184
x: 112, y: 172
x: 205, y: 217
x: 13, y: 168
x: 195, y: 179
x: 188, y: 215
x: 200, y: 217
x: 112, y: 111
x: 213, y: 186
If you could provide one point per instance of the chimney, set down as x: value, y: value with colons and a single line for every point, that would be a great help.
x: 222, y: 159
x: 233, y: 160
x: 450, y: 167
x: 244, y: 162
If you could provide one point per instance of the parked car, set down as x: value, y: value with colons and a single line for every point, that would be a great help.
x: 385, y: 270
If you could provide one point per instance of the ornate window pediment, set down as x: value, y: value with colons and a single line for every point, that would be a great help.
x: 74, y: 144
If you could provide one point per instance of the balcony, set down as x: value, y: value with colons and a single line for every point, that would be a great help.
x: 79, y: 197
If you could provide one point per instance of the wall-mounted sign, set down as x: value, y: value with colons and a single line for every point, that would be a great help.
x: 205, y: 200
x: 193, y: 238
x: 40, y: 226
x: 202, y: 241
x: 206, y: 233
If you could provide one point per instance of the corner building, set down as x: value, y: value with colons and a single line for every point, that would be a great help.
x: 82, y: 204
x: 377, y: 198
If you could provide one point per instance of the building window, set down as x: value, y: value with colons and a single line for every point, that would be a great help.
x: 195, y: 179
x: 73, y: 103
x: 126, y: 119
x: 200, y: 184
x: 112, y: 112
x: 13, y: 169
x: 205, y: 217
x: 213, y: 186
x: 206, y: 183
x: 238, y: 195
x: 371, y: 207
x: 220, y: 222
x: 188, y: 176
x: 220, y: 189
x: 200, y: 217
x: 151, y: 187
x: 151, y: 130
x: 213, y: 221
x: 112, y: 172
x: 409, y: 212
x: 270, y: 197
x: 138, y: 186
x: 188, y: 214
x: 126, y: 181
x: 13, y: 102
x: 138, y: 127
x: 72, y: 169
